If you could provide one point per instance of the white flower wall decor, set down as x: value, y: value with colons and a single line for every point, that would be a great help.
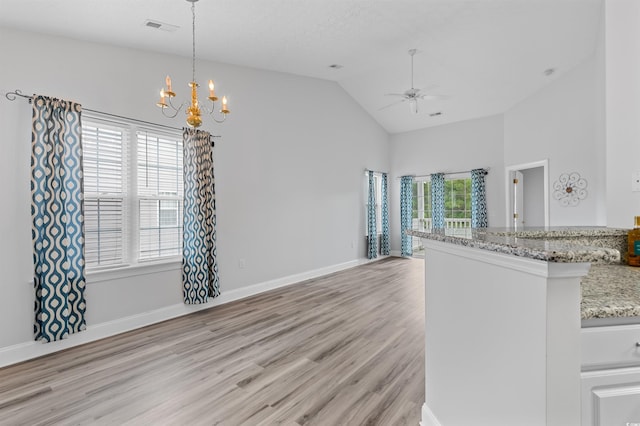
x: 570, y: 189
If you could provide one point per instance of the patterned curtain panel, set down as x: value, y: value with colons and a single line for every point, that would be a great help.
x: 478, y: 199
x: 372, y: 232
x: 57, y: 212
x: 437, y: 201
x: 406, y: 205
x: 199, y: 264
x: 385, y: 246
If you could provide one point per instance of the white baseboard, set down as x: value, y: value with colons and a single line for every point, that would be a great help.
x: 428, y: 418
x: 28, y: 350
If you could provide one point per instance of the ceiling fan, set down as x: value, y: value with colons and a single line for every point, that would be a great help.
x: 413, y: 95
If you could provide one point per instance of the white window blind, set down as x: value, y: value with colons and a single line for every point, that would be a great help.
x: 160, y: 194
x: 105, y: 183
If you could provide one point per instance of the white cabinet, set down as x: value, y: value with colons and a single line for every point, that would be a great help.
x: 613, y: 346
x: 610, y: 376
x: 611, y: 397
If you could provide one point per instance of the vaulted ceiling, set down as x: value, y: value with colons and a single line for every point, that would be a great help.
x: 483, y: 56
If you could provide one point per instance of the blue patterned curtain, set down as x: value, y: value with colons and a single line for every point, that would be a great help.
x: 437, y: 201
x: 478, y: 199
x: 57, y: 212
x: 372, y: 232
x: 199, y: 264
x: 385, y: 249
x: 406, y: 205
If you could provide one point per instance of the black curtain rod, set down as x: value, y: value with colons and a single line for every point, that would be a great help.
x: 18, y: 93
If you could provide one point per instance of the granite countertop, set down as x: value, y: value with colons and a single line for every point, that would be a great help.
x: 611, y: 291
x: 547, y: 244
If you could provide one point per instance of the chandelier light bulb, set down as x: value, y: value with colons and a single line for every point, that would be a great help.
x: 212, y: 93
x: 225, y: 109
x: 161, y: 103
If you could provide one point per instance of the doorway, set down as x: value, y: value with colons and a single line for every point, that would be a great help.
x: 527, y: 195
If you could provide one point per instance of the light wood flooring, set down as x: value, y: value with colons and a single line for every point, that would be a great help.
x: 345, y: 349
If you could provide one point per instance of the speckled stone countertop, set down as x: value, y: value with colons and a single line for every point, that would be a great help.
x: 611, y: 290
x: 562, y: 245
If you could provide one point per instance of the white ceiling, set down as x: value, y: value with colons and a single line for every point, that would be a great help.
x: 485, y: 55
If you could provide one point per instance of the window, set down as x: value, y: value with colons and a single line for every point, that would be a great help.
x: 105, y: 200
x: 377, y: 182
x: 160, y: 195
x: 457, y: 204
x: 421, y: 209
x: 133, y: 192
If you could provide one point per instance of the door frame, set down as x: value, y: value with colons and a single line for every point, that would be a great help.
x: 509, y: 194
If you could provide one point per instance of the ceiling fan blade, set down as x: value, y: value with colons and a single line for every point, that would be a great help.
x: 429, y: 87
x: 395, y: 94
x: 392, y: 104
x: 433, y: 97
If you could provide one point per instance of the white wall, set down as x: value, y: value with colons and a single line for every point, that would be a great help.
x: 288, y: 169
x: 622, y: 84
x: 453, y: 147
x: 559, y: 123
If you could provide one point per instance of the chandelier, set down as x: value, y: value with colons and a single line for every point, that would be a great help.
x: 194, y: 111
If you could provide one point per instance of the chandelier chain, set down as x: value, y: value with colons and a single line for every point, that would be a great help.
x: 193, y: 33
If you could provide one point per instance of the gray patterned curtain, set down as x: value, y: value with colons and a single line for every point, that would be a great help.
x: 437, y: 201
x: 372, y: 232
x: 199, y: 264
x: 406, y: 205
x: 57, y: 212
x: 478, y: 199
x: 385, y: 248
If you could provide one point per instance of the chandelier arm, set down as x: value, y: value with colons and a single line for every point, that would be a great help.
x: 176, y: 111
x: 224, y: 117
x: 212, y: 112
x: 173, y: 107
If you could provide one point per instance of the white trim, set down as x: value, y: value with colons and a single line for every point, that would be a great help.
x: 96, y: 275
x: 509, y: 202
x: 28, y: 350
x: 428, y: 418
x: 143, y: 268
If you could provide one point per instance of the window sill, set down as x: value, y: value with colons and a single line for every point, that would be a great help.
x: 143, y: 268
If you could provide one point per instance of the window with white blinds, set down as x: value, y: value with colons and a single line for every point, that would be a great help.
x: 105, y: 194
x: 133, y: 193
x: 160, y: 192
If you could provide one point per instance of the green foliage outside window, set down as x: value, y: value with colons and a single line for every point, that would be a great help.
x: 457, y: 199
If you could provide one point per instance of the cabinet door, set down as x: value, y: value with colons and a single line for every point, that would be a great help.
x: 611, y: 397
x: 617, y: 406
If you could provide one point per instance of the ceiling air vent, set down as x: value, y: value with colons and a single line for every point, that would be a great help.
x: 157, y: 25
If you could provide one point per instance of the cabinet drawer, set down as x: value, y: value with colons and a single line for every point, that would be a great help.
x: 615, y: 346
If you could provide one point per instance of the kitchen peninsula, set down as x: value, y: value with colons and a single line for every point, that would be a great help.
x: 504, y: 317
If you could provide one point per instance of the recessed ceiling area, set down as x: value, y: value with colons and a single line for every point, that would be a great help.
x: 484, y: 56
